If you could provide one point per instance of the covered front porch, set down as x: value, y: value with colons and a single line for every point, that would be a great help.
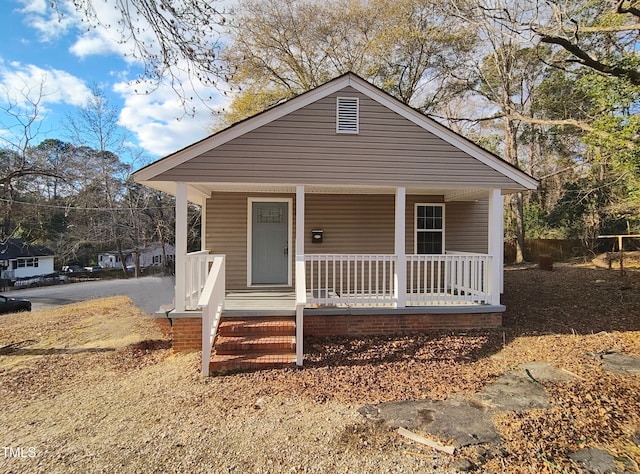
x: 446, y: 285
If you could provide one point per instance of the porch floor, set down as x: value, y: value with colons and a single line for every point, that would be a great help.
x: 260, y: 303
x: 283, y: 303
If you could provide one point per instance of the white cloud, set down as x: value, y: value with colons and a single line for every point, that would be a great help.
x: 105, y: 38
x: 26, y: 83
x: 154, y: 119
x: 39, y: 7
x: 49, y: 23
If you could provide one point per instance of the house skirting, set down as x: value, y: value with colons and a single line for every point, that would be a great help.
x: 322, y: 325
x: 186, y: 329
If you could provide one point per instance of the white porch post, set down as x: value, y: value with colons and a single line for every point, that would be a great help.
x: 203, y: 225
x: 400, y: 289
x: 496, y: 245
x: 181, y: 246
x: 301, y: 290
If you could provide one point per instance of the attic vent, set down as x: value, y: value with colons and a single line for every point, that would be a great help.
x: 347, y: 121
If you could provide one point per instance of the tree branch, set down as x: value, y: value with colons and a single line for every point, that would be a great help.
x: 631, y: 74
x: 568, y: 123
x: 632, y: 10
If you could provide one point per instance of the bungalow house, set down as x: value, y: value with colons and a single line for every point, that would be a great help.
x: 339, y: 212
x: 19, y: 259
x: 151, y: 255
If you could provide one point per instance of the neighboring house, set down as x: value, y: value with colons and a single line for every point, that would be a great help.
x: 109, y: 260
x: 19, y: 259
x: 343, y: 207
x: 151, y: 255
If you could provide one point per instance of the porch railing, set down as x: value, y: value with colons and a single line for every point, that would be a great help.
x: 198, y: 265
x: 451, y: 279
x: 456, y: 278
x: 354, y: 280
x: 212, y: 303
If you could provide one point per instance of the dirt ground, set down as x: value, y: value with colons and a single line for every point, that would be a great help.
x: 93, y: 387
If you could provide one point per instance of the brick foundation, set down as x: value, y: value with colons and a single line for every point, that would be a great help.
x: 185, y: 332
x: 386, y: 324
x: 164, y: 325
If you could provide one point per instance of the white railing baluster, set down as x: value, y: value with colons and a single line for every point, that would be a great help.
x: 197, y: 267
x: 368, y: 280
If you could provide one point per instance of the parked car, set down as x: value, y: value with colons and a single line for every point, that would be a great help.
x: 13, y: 305
x: 73, y: 268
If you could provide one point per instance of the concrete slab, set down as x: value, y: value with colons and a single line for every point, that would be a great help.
x: 623, y: 364
x: 467, y: 421
x: 595, y: 461
x: 464, y: 422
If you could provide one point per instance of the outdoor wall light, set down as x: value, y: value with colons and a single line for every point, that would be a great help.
x: 316, y: 236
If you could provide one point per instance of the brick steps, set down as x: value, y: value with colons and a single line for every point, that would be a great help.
x: 227, y: 363
x: 272, y: 344
x: 257, y: 343
x: 257, y: 326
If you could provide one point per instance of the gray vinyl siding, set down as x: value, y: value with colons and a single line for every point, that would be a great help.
x: 467, y: 225
x: 352, y: 224
x: 304, y: 148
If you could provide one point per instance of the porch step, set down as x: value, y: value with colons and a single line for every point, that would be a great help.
x: 254, y: 343
x: 227, y: 363
x: 257, y: 326
x: 270, y: 344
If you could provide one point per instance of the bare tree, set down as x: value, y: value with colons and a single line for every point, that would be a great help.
x: 96, y: 124
x: 285, y: 47
x: 21, y: 119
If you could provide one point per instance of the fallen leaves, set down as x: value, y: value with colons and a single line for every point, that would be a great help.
x: 563, y: 317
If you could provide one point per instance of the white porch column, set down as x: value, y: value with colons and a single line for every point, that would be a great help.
x: 496, y: 244
x: 300, y: 280
x: 401, y: 258
x: 181, y: 246
x: 203, y: 225
x: 299, y: 222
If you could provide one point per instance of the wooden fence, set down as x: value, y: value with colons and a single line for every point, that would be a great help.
x: 562, y: 249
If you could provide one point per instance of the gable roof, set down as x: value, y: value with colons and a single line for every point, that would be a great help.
x: 17, y: 248
x: 154, y: 171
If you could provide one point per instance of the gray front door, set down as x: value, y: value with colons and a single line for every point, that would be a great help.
x: 269, y: 243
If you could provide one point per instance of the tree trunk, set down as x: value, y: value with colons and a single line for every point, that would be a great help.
x: 123, y: 262
x: 165, y: 264
x: 136, y: 263
x: 517, y: 202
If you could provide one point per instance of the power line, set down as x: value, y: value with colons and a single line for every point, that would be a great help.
x: 77, y: 208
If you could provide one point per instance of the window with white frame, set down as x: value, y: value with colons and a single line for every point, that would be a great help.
x: 429, y: 229
x: 25, y: 262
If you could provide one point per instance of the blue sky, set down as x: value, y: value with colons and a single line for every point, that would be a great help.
x: 64, y: 60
